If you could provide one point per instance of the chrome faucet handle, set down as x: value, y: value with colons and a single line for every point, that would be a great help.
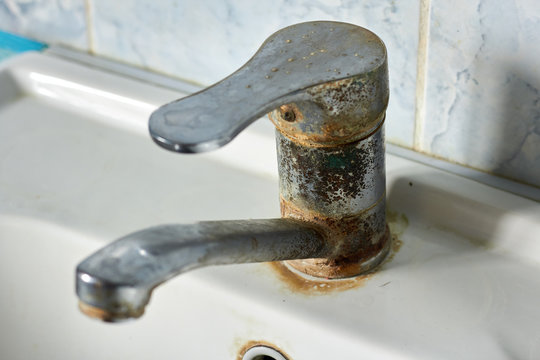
x: 325, y: 86
x: 333, y: 72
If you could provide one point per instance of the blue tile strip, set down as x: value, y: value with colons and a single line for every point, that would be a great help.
x: 12, y: 44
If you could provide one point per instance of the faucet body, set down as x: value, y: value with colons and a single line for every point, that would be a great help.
x: 325, y: 87
x: 342, y: 190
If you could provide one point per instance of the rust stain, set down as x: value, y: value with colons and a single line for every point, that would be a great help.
x: 104, y: 315
x: 311, y: 286
x: 355, y: 240
x: 341, y: 111
x: 252, y: 343
x: 345, y: 266
x: 290, y: 113
x: 300, y: 284
x: 397, y: 222
x: 323, y: 179
x: 324, y: 186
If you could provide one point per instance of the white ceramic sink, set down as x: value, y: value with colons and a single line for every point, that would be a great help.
x: 78, y: 170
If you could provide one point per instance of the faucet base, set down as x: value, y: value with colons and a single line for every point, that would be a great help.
x: 341, y: 190
x: 345, y: 266
x: 360, y: 242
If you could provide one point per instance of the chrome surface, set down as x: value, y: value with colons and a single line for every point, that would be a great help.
x: 288, y: 68
x: 119, y: 278
x: 326, y: 85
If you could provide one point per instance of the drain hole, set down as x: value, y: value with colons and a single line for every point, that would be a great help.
x: 261, y: 352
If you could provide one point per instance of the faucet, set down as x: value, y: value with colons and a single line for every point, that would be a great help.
x: 324, y: 86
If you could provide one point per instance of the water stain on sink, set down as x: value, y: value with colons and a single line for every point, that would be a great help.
x: 312, y: 286
x: 398, y: 223
x: 476, y: 241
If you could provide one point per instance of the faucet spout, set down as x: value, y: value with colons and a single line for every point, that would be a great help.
x: 116, y: 282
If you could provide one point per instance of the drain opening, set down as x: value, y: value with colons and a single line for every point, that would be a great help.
x: 261, y: 352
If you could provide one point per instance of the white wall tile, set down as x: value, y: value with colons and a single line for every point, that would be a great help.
x: 483, y: 92
x: 51, y: 21
x: 483, y: 69
x: 205, y: 41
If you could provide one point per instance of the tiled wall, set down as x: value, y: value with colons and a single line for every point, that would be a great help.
x: 475, y: 98
x: 483, y: 86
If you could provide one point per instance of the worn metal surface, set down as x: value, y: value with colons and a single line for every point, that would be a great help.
x: 327, y: 83
x: 116, y: 282
x: 336, y: 181
x: 335, y: 72
x: 298, y: 283
x: 359, y: 242
x: 338, y: 112
x: 342, y: 190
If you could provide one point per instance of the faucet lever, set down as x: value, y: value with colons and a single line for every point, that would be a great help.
x: 290, y: 67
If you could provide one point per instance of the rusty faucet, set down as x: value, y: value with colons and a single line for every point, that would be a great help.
x: 325, y: 87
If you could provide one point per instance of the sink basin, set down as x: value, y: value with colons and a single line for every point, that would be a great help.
x: 78, y: 170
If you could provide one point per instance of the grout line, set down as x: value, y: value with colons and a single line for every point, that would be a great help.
x: 421, y: 76
x: 89, y: 26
